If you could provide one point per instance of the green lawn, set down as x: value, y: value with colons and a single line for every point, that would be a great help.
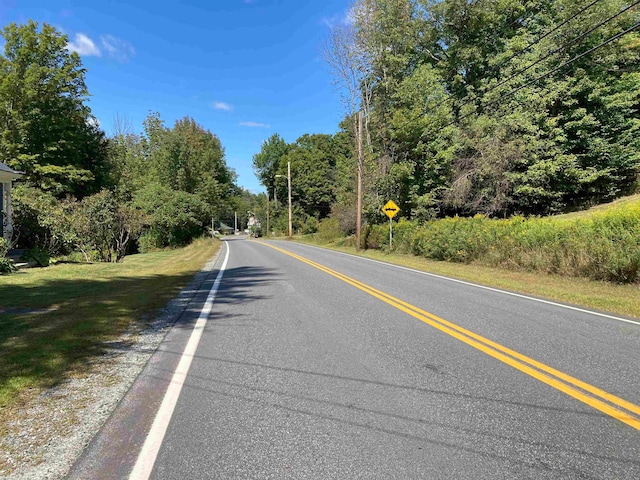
x: 54, y: 320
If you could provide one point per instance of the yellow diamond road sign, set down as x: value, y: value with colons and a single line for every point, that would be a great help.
x: 390, y: 209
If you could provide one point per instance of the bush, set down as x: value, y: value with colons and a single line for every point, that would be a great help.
x: 310, y: 225
x: 149, y: 241
x: 101, y: 224
x: 175, y: 217
x: 345, y: 216
x: 40, y: 220
x: 600, y: 246
x: 7, y: 265
x: 38, y: 255
x: 329, y: 229
x: 4, y: 247
x: 376, y: 237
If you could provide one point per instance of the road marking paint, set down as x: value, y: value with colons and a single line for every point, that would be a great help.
x: 597, y: 398
x: 153, y: 442
x: 492, y: 289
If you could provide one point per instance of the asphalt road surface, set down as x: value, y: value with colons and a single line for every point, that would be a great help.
x: 315, y: 364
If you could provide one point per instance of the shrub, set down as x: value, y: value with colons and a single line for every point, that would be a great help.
x: 38, y: 255
x: 7, y: 265
x: 329, y: 229
x: 175, y: 217
x: 376, y: 236
x: 310, y: 225
x: 101, y: 224
x: 149, y: 241
x: 40, y: 220
x: 600, y: 246
x: 345, y: 216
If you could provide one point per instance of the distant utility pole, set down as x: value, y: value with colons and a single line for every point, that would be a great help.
x: 359, y: 200
x: 235, y: 222
x: 267, y: 212
x: 289, y: 182
x: 289, y: 185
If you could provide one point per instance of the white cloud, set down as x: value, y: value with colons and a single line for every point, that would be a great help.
x: 83, y: 45
x: 222, y: 106
x: 346, y: 18
x: 116, y: 48
x: 254, y: 124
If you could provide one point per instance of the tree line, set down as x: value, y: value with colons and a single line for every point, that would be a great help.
x: 497, y: 107
x: 85, y: 191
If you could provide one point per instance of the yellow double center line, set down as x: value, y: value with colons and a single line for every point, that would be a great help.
x: 607, y: 403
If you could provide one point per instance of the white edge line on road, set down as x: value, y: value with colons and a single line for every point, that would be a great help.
x: 153, y: 442
x: 519, y: 295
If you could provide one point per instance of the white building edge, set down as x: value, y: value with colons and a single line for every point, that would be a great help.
x: 7, y: 176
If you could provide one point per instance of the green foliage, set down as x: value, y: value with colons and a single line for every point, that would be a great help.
x: 46, y: 129
x: 150, y: 241
x: 602, y: 246
x: 314, y: 160
x: 6, y: 264
x: 329, y: 229
x: 79, y: 187
x: 174, y: 217
x: 266, y: 162
x: 38, y: 255
x: 103, y: 225
x: 43, y: 221
x: 310, y: 225
x: 98, y: 223
x: 446, y: 136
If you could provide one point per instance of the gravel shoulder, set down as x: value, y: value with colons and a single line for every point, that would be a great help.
x: 49, y: 431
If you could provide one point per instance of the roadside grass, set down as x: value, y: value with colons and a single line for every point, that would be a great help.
x: 598, y: 295
x: 620, y: 203
x: 55, y: 320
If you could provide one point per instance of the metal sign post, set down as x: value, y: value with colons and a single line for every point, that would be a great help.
x: 390, y: 209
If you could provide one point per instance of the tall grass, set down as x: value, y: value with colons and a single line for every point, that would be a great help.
x: 603, y: 245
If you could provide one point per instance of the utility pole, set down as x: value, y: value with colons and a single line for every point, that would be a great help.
x: 267, y: 234
x: 289, y: 182
x: 235, y: 222
x: 289, y: 188
x: 359, y: 200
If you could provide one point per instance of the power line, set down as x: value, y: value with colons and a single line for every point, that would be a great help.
x: 551, y: 72
x: 557, y: 27
x: 538, y: 40
x: 562, y: 47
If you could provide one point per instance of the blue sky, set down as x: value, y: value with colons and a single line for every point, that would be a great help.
x: 244, y: 69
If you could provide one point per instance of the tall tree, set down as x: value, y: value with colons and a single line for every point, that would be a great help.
x: 188, y: 158
x: 313, y: 161
x: 46, y: 130
x: 460, y: 126
x: 265, y: 163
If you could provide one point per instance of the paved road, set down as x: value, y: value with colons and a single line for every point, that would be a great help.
x: 322, y: 365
